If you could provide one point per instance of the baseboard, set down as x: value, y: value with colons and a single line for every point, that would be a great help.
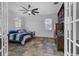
x: 44, y: 37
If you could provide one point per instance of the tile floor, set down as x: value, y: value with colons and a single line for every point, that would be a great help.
x: 35, y: 47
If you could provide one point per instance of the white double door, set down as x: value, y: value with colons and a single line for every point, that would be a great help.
x: 71, y: 29
x: 3, y: 29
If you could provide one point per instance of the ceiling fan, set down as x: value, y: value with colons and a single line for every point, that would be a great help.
x: 29, y: 11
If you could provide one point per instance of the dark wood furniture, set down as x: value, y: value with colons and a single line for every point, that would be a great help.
x: 59, y: 31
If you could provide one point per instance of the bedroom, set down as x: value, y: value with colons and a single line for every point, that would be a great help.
x: 33, y: 23
x: 36, y: 31
x: 39, y: 28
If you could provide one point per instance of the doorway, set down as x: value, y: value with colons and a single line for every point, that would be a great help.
x: 71, y: 42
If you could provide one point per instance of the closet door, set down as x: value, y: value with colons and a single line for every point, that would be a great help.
x: 3, y: 29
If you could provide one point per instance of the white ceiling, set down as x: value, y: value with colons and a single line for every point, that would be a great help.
x: 45, y: 8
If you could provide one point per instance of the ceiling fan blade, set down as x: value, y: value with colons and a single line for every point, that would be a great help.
x: 24, y: 8
x: 29, y: 6
x: 33, y: 13
x: 21, y: 10
x: 24, y: 12
x: 36, y: 12
x: 35, y: 9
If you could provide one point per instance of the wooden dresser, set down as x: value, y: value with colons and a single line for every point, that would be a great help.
x: 59, y: 31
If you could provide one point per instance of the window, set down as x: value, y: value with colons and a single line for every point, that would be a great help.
x: 18, y: 23
x: 48, y: 24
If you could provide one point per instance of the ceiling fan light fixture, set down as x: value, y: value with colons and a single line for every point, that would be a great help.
x: 29, y: 12
x: 32, y: 11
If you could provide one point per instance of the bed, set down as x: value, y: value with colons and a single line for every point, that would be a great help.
x: 20, y: 36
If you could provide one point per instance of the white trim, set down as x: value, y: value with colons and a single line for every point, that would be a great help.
x: 7, y: 29
x: 69, y: 28
x: 65, y: 31
x: 4, y: 51
x: 68, y: 23
x: 74, y: 29
x: 2, y: 30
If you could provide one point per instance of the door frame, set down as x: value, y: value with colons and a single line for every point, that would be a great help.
x: 68, y: 22
x: 4, y: 29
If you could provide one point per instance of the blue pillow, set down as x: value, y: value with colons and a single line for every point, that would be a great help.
x: 13, y: 31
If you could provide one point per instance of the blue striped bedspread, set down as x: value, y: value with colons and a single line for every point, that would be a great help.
x: 20, y: 37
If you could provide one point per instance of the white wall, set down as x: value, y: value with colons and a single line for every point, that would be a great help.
x: 11, y: 16
x: 36, y: 23
x: 33, y: 23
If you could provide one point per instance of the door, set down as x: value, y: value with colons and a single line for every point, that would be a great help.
x: 76, y: 21
x: 71, y: 29
x: 3, y: 29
